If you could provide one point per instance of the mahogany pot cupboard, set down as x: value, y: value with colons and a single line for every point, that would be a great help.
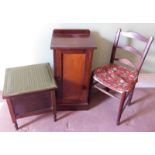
x: 73, y: 52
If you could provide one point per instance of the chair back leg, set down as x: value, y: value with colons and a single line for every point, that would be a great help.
x: 131, y: 95
x: 90, y: 87
x: 122, y: 102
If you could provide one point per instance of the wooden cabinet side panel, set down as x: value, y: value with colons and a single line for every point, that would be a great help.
x: 57, y: 63
x: 58, y: 71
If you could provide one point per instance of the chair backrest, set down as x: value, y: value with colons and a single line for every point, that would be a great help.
x: 128, y: 48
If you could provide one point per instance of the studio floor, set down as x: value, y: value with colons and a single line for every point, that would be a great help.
x: 139, y: 117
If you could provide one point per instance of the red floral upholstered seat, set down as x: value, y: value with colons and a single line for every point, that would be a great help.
x: 116, y: 77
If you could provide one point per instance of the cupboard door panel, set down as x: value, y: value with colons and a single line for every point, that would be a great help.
x: 73, y: 75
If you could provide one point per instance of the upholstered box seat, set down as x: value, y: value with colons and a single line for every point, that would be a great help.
x: 29, y: 90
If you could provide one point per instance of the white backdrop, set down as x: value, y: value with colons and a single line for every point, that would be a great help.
x: 25, y: 33
x: 26, y: 29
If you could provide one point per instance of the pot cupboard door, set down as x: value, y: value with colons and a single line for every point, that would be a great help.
x: 73, y: 75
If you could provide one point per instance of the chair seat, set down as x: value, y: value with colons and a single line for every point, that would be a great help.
x: 116, y: 77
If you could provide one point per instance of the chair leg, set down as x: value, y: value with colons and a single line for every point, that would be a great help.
x: 130, y: 96
x: 123, y: 98
x: 16, y: 125
x: 90, y: 87
x: 53, y: 98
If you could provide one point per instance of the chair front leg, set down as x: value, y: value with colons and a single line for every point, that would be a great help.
x: 122, y: 102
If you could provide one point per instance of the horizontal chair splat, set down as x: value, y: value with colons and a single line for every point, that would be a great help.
x: 125, y: 61
x: 130, y: 49
x: 135, y: 35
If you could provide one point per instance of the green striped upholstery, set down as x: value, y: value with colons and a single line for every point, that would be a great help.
x: 26, y: 79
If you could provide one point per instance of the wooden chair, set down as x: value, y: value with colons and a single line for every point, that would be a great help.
x: 121, y: 75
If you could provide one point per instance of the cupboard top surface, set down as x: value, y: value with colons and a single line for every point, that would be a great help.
x: 72, y: 38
